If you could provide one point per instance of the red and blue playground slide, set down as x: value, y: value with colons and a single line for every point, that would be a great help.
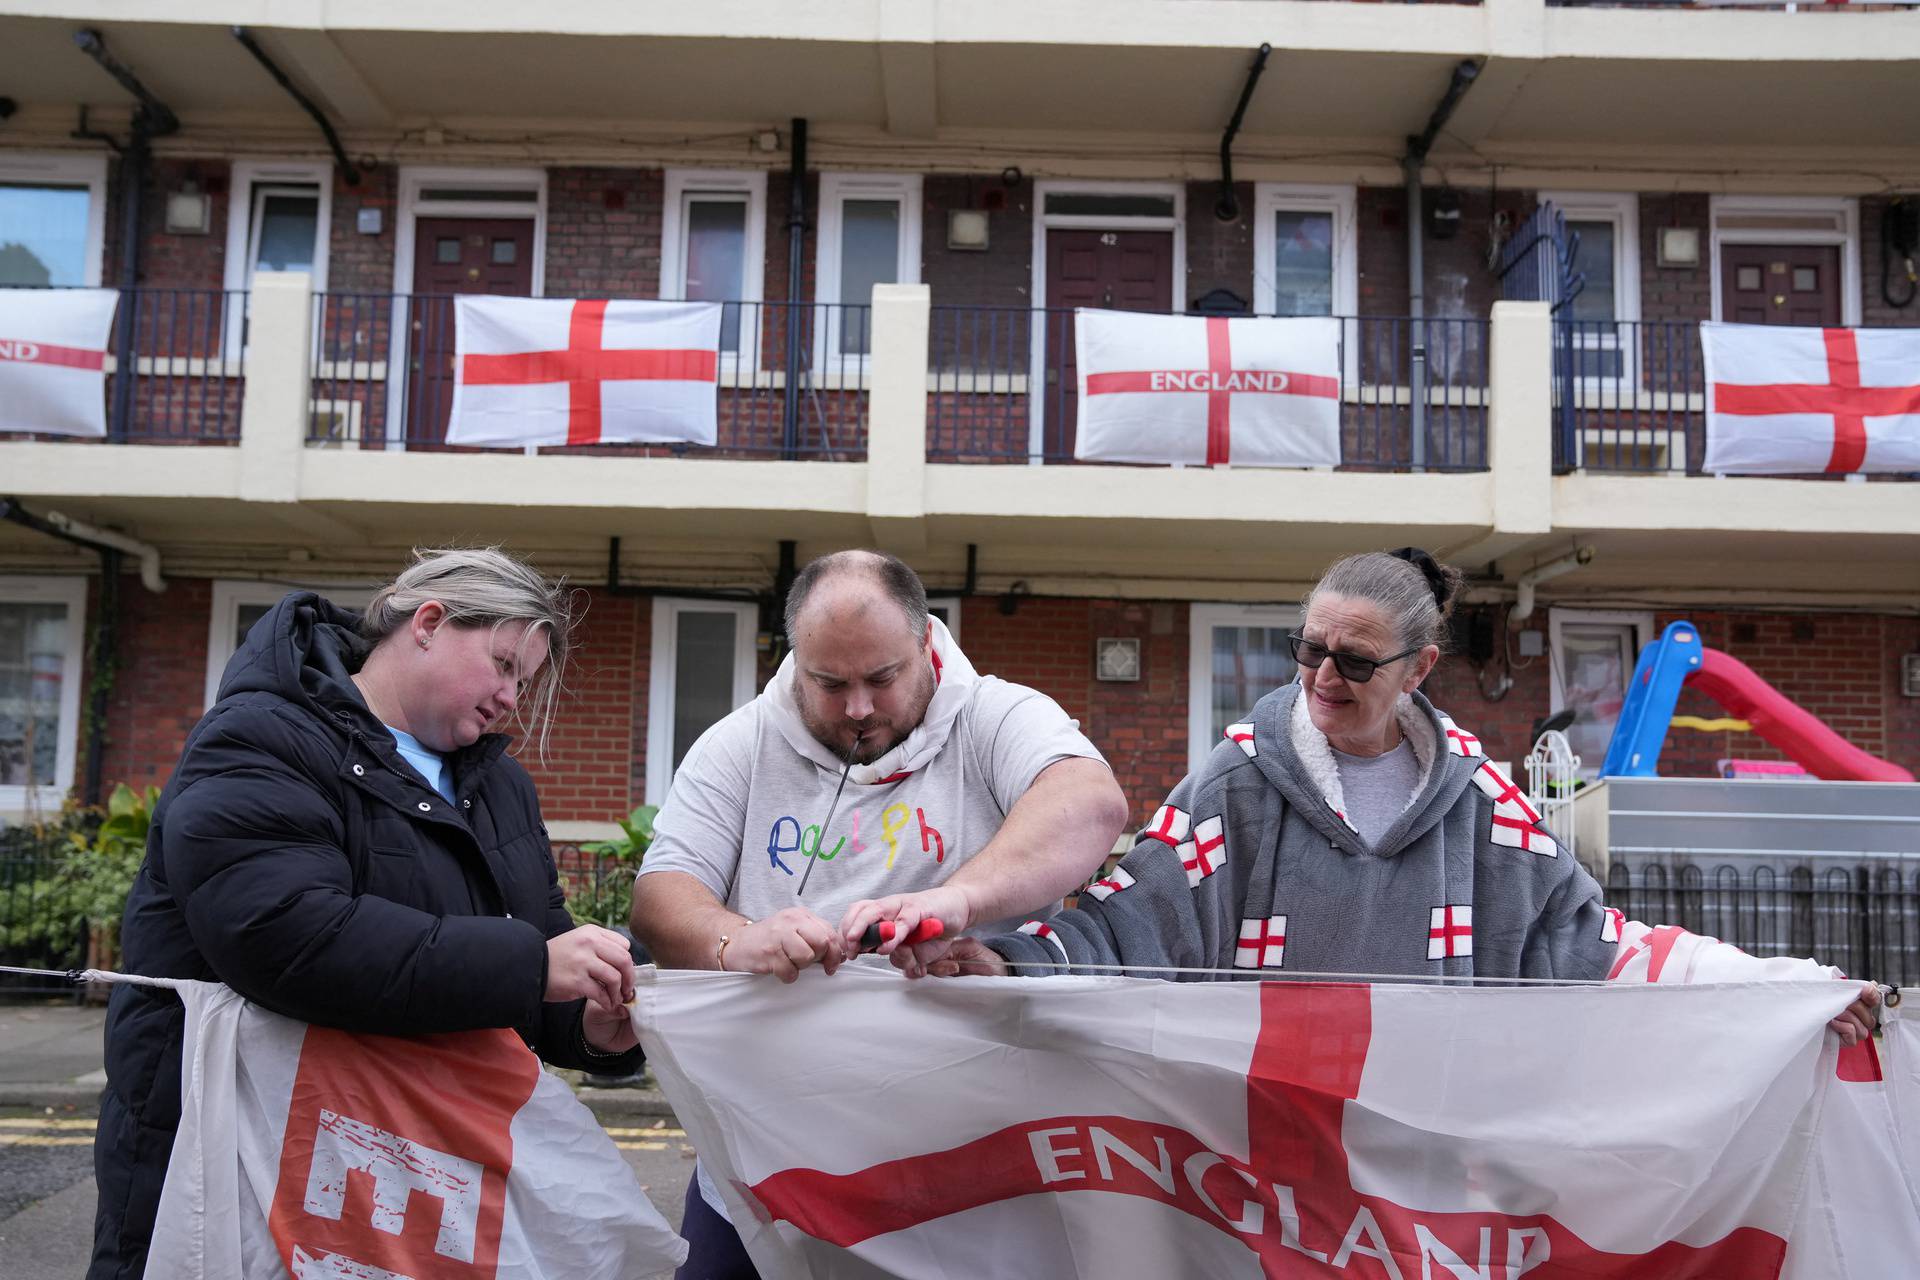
x: 1678, y: 658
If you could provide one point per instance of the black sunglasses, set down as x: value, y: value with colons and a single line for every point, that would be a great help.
x: 1350, y: 665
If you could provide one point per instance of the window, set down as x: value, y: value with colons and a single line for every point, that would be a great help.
x: 238, y: 605
x: 1608, y: 255
x: 869, y: 234
x: 713, y: 246
x: 947, y: 609
x: 52, y: 220
x: 703, y: 667
x: 1238, y: 655
x: 1303, y: 255
x: 41, y: 643
x: 1594, y: 652
x: 278, y: 219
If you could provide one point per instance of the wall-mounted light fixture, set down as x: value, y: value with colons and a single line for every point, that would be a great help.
x: 1116, y: 658
x: 967, y: 229
x: 189, y: 210
x: 1678, y: 247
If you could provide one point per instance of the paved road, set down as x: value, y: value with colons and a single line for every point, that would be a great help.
x: 46, y: 1184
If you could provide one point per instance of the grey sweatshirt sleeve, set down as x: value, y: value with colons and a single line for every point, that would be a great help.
x: 1155, y: 909
x: 1576, y: 936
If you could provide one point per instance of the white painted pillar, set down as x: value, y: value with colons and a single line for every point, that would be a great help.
x: 1520, y: 417
x: 274, y: 406
x: 897, y: 417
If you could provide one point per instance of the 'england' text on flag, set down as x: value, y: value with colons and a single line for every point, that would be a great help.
x: 1784, y: 400
x: 1208, y: 389
x: 53, y: 353
x: 560, y: 371
x: 1113, y: 1126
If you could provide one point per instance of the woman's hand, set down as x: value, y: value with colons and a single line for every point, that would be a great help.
x: 962, y: 958
x: 608, y: 1032
x: 1856, y: 1021
x: 592, y: 962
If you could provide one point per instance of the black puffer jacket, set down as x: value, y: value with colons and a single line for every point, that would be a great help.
x: 297, y: 858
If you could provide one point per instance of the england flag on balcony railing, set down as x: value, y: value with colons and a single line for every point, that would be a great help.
x: 563, y: 371
x: 1208, y: 390
x: 1785, y: 400
x: 53, y: 354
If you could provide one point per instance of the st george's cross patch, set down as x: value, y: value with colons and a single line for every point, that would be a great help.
x: 1040, y: 929
x: 1515, y: 821
x: 1206, y: 853
x: 1107, y: 886
x: 1450, y: 932
x: 1169, y: 826
x: 1242, y: 736
x: 1459, y: 741
x: 1262, y: 944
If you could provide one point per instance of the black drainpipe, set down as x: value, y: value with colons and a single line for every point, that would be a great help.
x: 1227, y: 207
x: 1418, y: 145
x: 348, y: 174
x: 796, y: 263
x: 101, y: 653
x: 152, y: 119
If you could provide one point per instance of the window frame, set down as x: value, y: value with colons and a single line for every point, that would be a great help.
x: 835, y: 190
x: 1341, y: 201
x: 71, y: 592
x: 682, y: 185
x: 1641, y: 620
x: 230, y: 595
x: 1202, y: 619
x: 661, y: 694
x: 248, y: 182
x: 952, y: 605
x: 66, y: 169
x: 1622, y: 209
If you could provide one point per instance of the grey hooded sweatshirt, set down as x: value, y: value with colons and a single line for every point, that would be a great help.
x: 1252, y: 865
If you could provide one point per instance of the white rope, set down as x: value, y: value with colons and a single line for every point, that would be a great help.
x: 107, y: 976
x: 1267, y: 975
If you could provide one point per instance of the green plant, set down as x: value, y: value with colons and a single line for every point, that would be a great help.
x: 87, y: 865
x: 602, y: 893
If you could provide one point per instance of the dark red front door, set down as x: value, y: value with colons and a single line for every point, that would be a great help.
x: 1796, y: 284
x: 1112, y: 270
x: 453, y: 256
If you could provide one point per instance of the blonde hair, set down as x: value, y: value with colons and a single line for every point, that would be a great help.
x: 486, y: 587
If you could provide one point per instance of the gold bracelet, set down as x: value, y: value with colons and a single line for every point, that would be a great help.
x: 720, y: 952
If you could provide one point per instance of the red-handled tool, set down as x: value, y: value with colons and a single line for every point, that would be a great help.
x: 882, y: 931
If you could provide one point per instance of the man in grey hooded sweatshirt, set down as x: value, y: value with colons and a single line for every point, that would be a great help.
x: 1350, y: 827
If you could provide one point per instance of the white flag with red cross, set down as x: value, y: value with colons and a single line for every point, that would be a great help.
x: 1208, y: 389
x: 328, y: 1155
x: 1103, y: 1126
x: 566, y: 371
x: 1784, y: 400
x: 53, y: 359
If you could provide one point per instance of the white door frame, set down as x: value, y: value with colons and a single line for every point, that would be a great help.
x: 1201, y: 620
x: 412, y: 206
x: 1846, y: 236
x: 1042, y: 221
x: 660, y: 690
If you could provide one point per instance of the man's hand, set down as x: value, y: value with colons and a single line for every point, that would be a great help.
x: 952, y: 958
x: 608, y: 1032
x: 592, y: 962
x: 948, y: 904
x: 1856, y: 1021
x: 783, y: 944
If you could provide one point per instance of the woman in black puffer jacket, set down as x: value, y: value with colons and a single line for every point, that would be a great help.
x: 344, y: 842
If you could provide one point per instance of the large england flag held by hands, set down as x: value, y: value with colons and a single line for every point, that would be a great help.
x: 1125, y: 1127
x: 1208, y: 389
x: 565, y: 371
x: 1786, y: 400
x: 326, y: 1155
x: 53, y: 354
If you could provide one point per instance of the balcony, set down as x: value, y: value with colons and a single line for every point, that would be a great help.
x: 942, y: 434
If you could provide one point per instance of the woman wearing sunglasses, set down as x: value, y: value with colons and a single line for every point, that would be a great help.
x: 1349, y: 826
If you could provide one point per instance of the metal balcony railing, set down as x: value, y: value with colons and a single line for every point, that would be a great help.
x: 793, y: 379
x: 179, y: 378
x: 986, y: 404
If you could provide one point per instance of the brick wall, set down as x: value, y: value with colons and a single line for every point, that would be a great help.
x: 603, y: 232
x: 1220, y: 254
x: 1874, y: 308
x: 1002, y: 276
x: 1843, y: 668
